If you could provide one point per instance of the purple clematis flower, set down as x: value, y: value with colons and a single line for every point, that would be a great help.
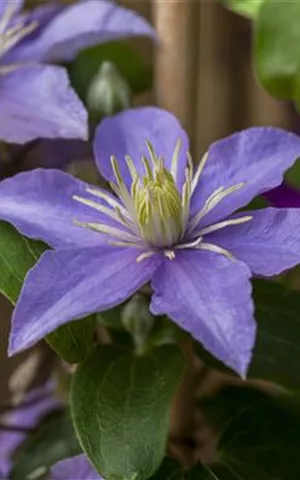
x: 37, y: 100
x: 35, y: 405
x: 75, y: 467
x: 165, y: 223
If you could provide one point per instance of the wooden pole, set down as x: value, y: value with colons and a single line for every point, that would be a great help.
x: 177, y: 25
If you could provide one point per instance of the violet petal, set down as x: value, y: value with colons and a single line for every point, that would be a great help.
x: 198, y: 290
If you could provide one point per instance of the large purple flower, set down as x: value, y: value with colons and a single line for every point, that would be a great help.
x: 164, y: 223
x: 37, y: 100
x: 75, y: 467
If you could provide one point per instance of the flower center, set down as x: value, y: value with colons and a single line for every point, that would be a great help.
x: 152, y: 214
x: 11, y: 33
x: 157, y: 204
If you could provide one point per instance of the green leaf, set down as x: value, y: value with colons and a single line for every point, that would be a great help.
x: 121, y: 405
x: 277, y: 350
x: 261, y: 437
x: 54, y: 440
x: 73, y: 341
x: 246, y: 8
x: 129, y: 62
x: 17, y: 255
x: 276, y: 354
x: 277, y: 48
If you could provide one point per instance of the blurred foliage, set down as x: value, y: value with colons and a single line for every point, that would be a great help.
x: 259, y: 434
x: 52, y: 441
x: 129, y: 62
x: 277, y: 49
x: 276, y: 354
x: 247, y: 8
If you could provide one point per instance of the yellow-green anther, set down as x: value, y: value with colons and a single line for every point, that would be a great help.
x: 116, y: 170
x: 158, y: 206
x: 131, y: 167
x: 175, y: 158
x: 153, y: 156
x: 147, y: 167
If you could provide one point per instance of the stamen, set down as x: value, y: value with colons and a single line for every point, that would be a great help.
x: 120, y: 188
x: 193, y: 244
x: 131, y: 167
x: 199, y: 171
x: 116, y: 170
x: 108, y: 230
x: 190, y: 164
x: 212, y: 201
x: 226, y: 223
x: 12, y: 36
x: 144, y: 256
x: 126, y: 244
x: 109, y: 200
x: 147, y: 168
x: 170, y: 254
x: 117, y: 216
x: 185, y: 200
x: 7, y: 15
x: 153, y: 156
x: 216, y: 249
x: 175, y: 158
x: 8, y: 69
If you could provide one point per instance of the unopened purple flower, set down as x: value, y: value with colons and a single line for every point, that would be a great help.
x: 35, y: 405
x: 37, y: 100
x: 166, y: 222
x: 284, y: 196
x: 77, y: 468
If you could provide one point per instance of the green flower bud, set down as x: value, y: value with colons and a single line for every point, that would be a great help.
x: 138, y: 320
x: 108, y: 92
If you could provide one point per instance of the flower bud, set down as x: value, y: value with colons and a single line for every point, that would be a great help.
x: 137, y: 320
x: 108, y: 92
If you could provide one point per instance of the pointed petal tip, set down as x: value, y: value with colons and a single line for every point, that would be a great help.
x: 13, y: 349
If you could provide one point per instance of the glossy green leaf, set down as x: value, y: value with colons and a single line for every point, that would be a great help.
x: 54, y: 440
x: 73, y: 341
x: 129, y: 62
x: 277, y: 48
x: 246, y: 8
x: 17, y: 255
x: 260, y: 437
x: 121, y: 405
x: 276, y: 355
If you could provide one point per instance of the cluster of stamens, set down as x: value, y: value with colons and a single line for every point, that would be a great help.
x: 11, y: 34
x: 154, y: 215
